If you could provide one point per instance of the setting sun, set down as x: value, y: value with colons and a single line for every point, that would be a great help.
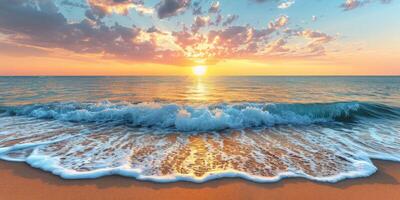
x: 199, y: 70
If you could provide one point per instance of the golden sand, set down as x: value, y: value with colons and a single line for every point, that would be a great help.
x: 20, y: 181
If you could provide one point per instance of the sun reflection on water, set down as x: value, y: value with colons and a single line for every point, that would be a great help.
x: 198, y: 91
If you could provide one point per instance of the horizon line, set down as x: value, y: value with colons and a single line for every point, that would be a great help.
x: 356, y: 75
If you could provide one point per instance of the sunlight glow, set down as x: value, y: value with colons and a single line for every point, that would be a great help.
x: 199, y: 70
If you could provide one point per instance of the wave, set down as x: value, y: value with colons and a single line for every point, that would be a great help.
x: 213, y: 117
x: 325, y: 142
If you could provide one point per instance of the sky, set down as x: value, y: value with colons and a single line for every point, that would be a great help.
x: 170, y: 37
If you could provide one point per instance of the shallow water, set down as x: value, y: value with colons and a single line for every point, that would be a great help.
x: 182, y: 128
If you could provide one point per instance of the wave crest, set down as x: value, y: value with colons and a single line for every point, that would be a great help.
x: 204, y: 118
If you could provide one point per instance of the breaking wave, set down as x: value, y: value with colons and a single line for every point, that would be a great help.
x: 148, y: 141
x: 204, y: 118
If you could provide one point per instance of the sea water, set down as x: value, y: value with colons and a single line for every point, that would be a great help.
x: 168, y: 129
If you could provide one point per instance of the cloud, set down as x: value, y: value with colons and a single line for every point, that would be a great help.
x: 286, y: 4
x: 41, y: 25
x: 279, y: 22
x: 314, y: 18
x: 200, y: 21
x: 218, y: 19
x: 353, y: 4
x: 101, y: 8
x: 73, y: 4
x: 317, y: 41
x: 315, y: 34
x: 214, y: 8
x: 232, y: 41
x: 229, y: 42
x: 169, y: 8
x: 197, y: 9
x: 230, y: 19
x: 20, y: 50
x: 278, y: 46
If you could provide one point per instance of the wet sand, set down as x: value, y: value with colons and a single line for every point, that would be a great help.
x: 20, y: 181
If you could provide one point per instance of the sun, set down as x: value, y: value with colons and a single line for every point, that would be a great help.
x: 199, y: 70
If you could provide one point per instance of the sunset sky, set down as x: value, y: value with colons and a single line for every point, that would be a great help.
x: 229, y: 37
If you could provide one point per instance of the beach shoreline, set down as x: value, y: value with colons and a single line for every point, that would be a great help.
x: 20, y: 181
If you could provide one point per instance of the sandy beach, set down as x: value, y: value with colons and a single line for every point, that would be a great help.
x: 20, y: 181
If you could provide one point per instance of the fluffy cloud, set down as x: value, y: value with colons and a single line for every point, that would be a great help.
x: 249, y: 42
x: 346, y: 5
x: 286, y: 4
x: 230, y: 19
x: 102, y: 8
x: 278, y: 46
x: 353, y: 4
x: 214, y: 8
x: 168, y: 8
x: 279, y: 22
x: 38, y: 23
x: 218, y: 19
x: 316, y: 41
x: 200, y: 21
x: 197, y: 9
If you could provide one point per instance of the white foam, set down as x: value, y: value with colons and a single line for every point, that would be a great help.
x: 326, y: 152
x: 363, y: 169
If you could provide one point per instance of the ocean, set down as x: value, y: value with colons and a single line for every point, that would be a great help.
x: 168, y: 129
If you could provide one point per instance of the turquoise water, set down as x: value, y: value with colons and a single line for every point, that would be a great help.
x: 197, y: 129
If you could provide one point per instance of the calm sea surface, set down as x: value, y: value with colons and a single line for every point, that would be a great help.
x: 189, y: 90
x: 196, y: 129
